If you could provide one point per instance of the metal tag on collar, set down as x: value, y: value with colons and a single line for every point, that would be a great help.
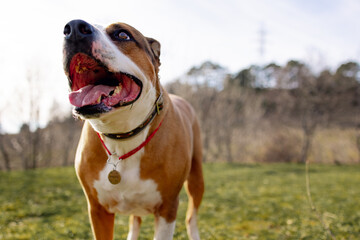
x: 114, y: 176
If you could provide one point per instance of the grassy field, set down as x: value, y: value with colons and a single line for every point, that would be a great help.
x: 241, y: 202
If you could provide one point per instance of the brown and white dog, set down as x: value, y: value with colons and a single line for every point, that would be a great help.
x: 115, y: 88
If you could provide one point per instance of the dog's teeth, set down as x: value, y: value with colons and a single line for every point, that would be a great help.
x: 99, y: 99
x: 117, y: 89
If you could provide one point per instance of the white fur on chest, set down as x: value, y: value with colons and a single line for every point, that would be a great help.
x: 132, y: 195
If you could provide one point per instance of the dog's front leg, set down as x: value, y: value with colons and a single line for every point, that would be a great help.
x: 102, y: 222
x: 134, y: 227
x: 164, y: 230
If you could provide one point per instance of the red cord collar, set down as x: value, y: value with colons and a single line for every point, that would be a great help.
x: 135, y: 150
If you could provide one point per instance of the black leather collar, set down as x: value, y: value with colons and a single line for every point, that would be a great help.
x: 158, y: 106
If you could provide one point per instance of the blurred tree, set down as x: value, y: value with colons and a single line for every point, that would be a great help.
x: 349, y: 73
x: 245, y: 79
x: 272, y: 73
x: 25, y: 145
x: 34, y: 133
x: 309, y: 100
x: 347, y: 79
x: 4, y: 151
x: 202, y: 86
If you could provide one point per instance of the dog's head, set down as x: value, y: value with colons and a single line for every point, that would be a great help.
x: 109, y: 69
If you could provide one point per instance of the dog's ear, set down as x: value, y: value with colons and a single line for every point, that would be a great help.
x: 155, y: 48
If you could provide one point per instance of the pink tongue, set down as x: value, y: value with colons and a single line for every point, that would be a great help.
x: 89, y: 95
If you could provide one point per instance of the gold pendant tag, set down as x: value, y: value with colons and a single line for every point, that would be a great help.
x: 114, y: 177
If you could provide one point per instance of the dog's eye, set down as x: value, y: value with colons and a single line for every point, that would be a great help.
x: 122, y: 36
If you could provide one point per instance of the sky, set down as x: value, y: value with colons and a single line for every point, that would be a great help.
x: 323, y: 33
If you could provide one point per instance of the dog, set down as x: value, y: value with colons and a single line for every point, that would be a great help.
x: 139, y: 145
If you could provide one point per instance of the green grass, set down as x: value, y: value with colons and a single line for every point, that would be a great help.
x: 241, y: 202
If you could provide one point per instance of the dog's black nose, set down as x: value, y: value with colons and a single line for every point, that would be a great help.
x: 77, y: 30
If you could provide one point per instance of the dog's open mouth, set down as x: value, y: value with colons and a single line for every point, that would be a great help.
x: 95, y: 89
